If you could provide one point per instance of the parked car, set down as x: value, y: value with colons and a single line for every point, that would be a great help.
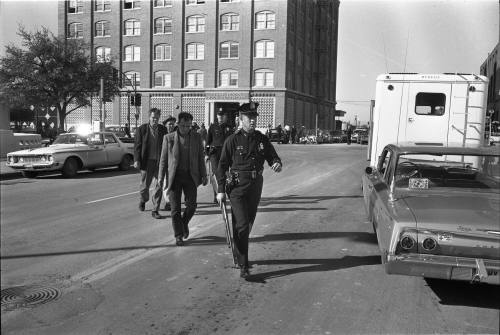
x: 356, y: 132
x: 71, y: 152
x: 274, y: 136
x: 339, y: 136
x: 436, y: 211
x: 362, y: 137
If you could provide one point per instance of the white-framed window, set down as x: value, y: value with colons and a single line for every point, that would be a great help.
x: 163, y: 52
x: 163, y: 79
x: 195, y: 24
x: 264, y: 78
x: 163, y: 25
x: 75, y: 6
x: 132, y: 27
x: 195, y: 51
x: 228, y: 78
x: 264, y: 49
x: 102, y: 54
x: 131, y: 4
x: 162, y: 3
x: 102, y: 5
x: 194, y: 79
x: 195, y: 2
x: 229, y: 50
x: 75, y: 30
x: 265, y: 20
x: 132, y: 53
x: 134, y: 78
x: 230, y: 21
x: 102, y: 29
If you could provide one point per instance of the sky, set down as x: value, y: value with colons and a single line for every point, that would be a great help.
x: 375, y: 37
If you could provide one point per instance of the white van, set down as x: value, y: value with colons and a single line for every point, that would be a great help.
x: 428, y: 108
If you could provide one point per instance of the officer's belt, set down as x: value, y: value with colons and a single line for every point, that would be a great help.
x: 252, y: 173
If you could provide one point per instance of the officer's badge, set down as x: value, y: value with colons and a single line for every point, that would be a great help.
x: 239, y: 147
x: 261, y: 146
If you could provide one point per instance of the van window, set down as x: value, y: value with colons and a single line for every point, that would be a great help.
x: 430, y: 103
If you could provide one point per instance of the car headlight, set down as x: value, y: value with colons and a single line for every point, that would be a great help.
x: 10, y: 159
x: 21, y: 160
x: 50, y: 158
x: 43, y: 159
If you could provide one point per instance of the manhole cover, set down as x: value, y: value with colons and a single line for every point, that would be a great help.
x: 27, y: 296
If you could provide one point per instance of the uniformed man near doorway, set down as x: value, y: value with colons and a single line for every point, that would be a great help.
x: 243, y: 155
x: 217, y: 134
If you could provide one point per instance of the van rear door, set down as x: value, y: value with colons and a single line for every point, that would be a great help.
x: 427, y: 113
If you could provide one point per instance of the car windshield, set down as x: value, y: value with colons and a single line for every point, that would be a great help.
x: 70, y: 139
x: 425, y: 171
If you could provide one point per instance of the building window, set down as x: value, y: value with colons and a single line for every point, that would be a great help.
x: 194, y: 79
x: 163, y: 52
x: 102, y: 54
x: 229, y: 50
x: 131, y: 4
x: 265, y: 20
x: 195, y: 2
x: 195, y: 24
x: 75, y: 30
x: 132, y: 27
x: 102, y: 29
x: 163, y: 25
x: 195, y: 51
x: 132, y: 53
x: 102, y: 5
x: 264, y: 49
x: 133, y: 79
x: 163, y: 79
x: 228, y: 78
x: 75, y: 6
x: 264, y: 78
x: 162, y: 3
x: 230, y: 21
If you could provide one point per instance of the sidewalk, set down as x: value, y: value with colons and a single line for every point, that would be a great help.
x: 7, y: 172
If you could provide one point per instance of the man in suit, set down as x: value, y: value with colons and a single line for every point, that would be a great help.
x: 182, y: 170
x: 147, y: 150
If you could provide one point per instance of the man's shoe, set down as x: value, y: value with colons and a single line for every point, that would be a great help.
x: 155, y: 215
x: 179, y: 242
x: 142, y: 206
x: 167, y: 207
x: 185, y: 230
x: 244, y: 272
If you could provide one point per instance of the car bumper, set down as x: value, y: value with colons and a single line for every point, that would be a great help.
x: 445, y: 267
x: 35, y: 166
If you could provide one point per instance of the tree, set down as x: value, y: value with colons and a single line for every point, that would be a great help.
x: 53, y: 71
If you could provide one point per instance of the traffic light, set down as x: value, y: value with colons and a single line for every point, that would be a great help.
x: 135, y: 99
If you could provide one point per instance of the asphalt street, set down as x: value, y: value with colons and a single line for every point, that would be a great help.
x: 100, y: 266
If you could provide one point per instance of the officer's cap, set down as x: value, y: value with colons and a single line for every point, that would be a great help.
x: 249, y: 109
x: 221, y: 111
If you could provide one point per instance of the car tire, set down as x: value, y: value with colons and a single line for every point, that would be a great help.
x: 125, y: 163
x: 29, y: 174
x: 70, y: 168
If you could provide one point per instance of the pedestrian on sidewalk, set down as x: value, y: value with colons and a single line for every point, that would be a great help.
x: 147, y: 149
x: 182, y: 170
x: 170, y: 124
x: 244, y: 154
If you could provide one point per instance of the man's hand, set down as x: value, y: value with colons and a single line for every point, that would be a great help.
x: 276, y: 167
x: 204, y: 180
x: 207, y: 158
x: 137, y: 165
x: 221, y: 197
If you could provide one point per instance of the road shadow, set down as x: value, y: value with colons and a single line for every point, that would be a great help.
x: 312, y: 265
x: 461, y: 293
x: 297, y: 199
x: 86, y: 174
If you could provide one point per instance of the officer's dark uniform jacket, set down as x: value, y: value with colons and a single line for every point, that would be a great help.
x: 245, y: 154
x: 217, y: 134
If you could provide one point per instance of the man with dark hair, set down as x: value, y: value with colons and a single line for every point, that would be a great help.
x: 217, y: 134
x: 147, y: 149
x: 244, y: 153
x: 182, y: 170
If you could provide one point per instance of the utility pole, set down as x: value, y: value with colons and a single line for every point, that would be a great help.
x: 101, y: 98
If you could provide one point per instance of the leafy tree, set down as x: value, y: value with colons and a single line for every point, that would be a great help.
x: 53, y: 71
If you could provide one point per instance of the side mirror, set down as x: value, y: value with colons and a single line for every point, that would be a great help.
x: 369, y: 170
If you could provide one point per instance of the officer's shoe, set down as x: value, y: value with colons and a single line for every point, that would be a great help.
x: 167, y: 207
x: 142, y: 206
x: 156, y: 215
x: 179, y: 242
x: 244, y: 272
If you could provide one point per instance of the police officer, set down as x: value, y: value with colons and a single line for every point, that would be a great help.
x: 217, y: 134
x: 244, y: 154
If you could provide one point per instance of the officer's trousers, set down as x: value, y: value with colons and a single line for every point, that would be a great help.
x: 245, y: 198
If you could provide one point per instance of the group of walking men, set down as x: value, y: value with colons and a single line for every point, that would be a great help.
x: 175, y: 158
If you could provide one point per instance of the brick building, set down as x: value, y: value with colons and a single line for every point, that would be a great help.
x: 201, y: 55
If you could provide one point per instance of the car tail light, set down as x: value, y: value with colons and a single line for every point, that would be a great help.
x: 407, y: 242
x: 429, y: 244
